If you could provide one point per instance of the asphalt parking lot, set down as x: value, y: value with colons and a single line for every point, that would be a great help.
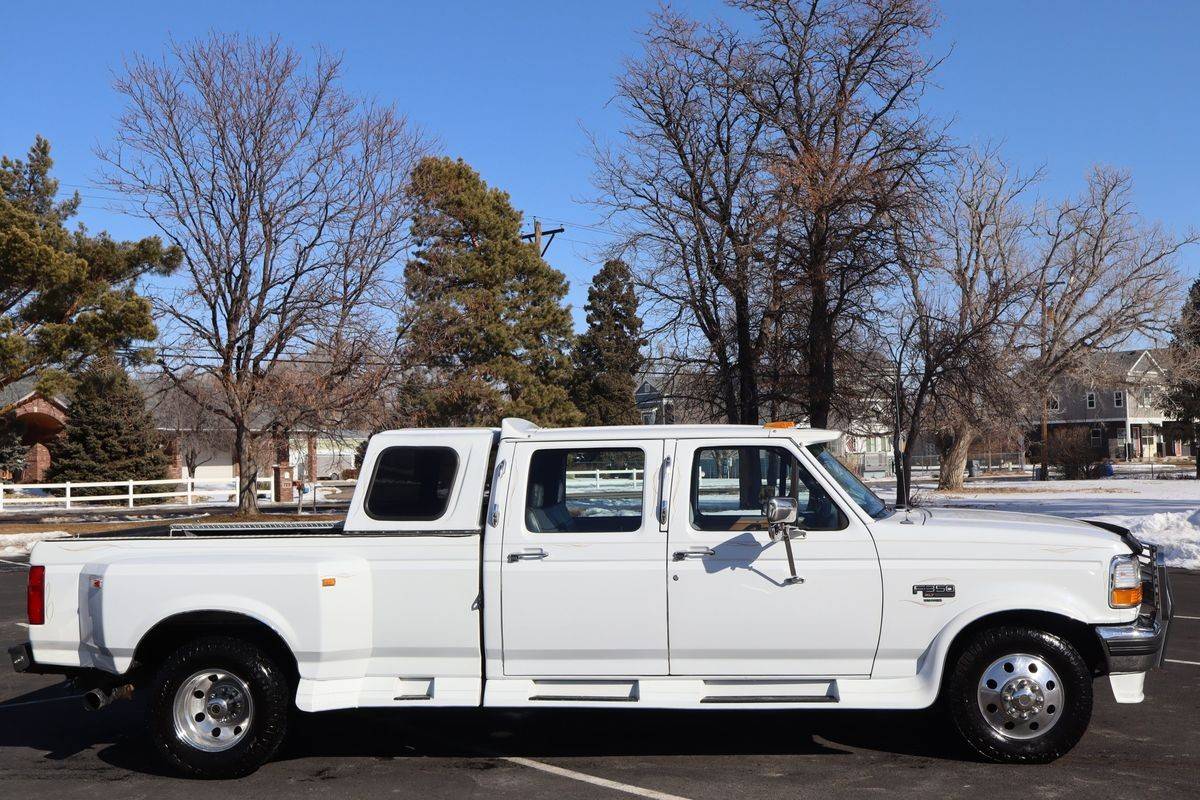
x: 50, y: 746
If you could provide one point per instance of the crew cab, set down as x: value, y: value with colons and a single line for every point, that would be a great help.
x: 649, y: 567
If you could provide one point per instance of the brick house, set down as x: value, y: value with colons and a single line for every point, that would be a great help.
x: 41, y: 418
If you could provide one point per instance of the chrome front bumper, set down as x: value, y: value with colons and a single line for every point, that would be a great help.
x: 1142, y: 644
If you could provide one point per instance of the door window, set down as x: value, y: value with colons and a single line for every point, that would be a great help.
x: 731, y: 487
x: 592, y: 490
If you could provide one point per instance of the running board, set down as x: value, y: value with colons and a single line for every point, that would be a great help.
x: 768, y: 698
x: 585, y: 698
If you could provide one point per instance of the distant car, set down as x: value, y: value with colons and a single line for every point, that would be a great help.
x: 677, y: 567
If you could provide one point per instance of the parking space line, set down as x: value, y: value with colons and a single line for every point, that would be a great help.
x: 1181, y: 661
x: 1183, y: 616
x: 592, y: 779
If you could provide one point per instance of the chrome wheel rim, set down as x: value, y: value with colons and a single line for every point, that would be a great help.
x: 213, y: 710
x: 1020, y: 696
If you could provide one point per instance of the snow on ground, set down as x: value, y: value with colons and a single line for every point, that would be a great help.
x: 1162, y: 512
x: 19, y: 544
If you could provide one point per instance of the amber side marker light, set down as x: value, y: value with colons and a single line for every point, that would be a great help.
x: 780, y: 424
x: 329, y: 581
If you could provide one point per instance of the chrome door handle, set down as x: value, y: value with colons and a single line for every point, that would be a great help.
x: 531, y: 553
x: 693, y: 552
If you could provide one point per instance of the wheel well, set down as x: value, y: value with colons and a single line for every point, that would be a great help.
x: 179, y: 629
x: 1079, y: 634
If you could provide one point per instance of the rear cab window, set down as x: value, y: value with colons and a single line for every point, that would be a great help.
x: 411, y: 483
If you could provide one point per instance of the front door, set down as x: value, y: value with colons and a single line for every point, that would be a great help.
x: 731, y: 609
x: 582, y: 575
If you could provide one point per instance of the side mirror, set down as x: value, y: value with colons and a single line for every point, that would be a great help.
x: 781, y: 511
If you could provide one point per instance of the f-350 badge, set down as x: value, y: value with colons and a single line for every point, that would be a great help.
x: 934, y: 592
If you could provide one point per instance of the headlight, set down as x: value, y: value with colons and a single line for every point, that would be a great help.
x: 1124, y: 582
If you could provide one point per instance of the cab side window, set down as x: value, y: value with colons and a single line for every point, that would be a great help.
x: 592, y: 490
x: 731, y: 486
x: 411, y: 483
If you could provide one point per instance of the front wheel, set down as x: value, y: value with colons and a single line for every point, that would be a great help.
x: 218, y: 708
x: 1019, y: 695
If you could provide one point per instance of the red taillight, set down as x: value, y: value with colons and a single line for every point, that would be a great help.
x: 35, y: 597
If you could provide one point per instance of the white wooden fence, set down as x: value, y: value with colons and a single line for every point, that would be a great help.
x: 65, y: 495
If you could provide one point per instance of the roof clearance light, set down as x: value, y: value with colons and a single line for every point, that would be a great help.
x: 780, y: 424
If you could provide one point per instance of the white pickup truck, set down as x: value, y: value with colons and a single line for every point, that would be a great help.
x: 678, y: 567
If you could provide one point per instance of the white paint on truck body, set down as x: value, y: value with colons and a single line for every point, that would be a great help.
x: 462, y: 610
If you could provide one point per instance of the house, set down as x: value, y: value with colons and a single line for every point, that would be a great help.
x: 41, y: 419
x: 1120, y: 404
x: 200, y: 445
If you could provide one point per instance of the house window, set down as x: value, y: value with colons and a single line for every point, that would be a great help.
x: 1147, y: 397
x: 1053, y: 404
x: 1118, y: 399
x: 1091, y: 399
x: 1097, y: 437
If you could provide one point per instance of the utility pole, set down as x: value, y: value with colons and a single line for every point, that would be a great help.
x: 536, y: 236
x: 1047, y: 324
x: 1045, y: 399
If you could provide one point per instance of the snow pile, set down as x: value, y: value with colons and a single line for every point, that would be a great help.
x: 1176, y: 534
x: 19, y: 544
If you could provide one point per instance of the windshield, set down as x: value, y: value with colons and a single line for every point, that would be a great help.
x: 867, y: 500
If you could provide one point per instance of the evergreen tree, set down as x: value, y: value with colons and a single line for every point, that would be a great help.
x: 109, y: 434
x: 12, y: 446
x: 65, y: 296
x: 608, y: 354
x: 1183, y: 394
x: 488, y: 325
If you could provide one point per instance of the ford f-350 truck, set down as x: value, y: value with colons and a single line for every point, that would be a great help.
x: 663, y: 567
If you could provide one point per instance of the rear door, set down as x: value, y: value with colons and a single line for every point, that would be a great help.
x: 731, y: 610
x: 583, y: 561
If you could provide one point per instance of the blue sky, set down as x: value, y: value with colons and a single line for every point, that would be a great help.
x: 512, y: 87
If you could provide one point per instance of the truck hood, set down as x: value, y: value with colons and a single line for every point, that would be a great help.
x: 970, y: 526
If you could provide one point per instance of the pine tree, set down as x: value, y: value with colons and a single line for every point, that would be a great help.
x: 608, y: 354
x: 65, y: 296
x: 12, y: 446
x: 109, y: 435
x: 1183, y: 394
x: 488, y: 326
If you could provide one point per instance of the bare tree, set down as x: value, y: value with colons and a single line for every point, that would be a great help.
x: 288, y: 198
x: 965, y: 296
x: 839, y: 82
x: 1104, y: 275
x: 690, y: 193
x: 197, y: 433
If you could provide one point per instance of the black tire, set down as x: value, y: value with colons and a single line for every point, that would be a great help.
x: 269, y: 691
x: 963, y: 682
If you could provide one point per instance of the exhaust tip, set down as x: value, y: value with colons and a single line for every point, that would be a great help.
x: 95, y: 700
